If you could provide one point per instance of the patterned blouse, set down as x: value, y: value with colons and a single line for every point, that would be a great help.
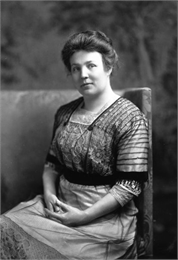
x: 113, y: 142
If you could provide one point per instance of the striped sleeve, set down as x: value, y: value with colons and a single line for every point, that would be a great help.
x: 132, y: 157
x: 51, y: 160
x: 132, y: 150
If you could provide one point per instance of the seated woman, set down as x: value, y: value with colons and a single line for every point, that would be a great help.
x: 98, y: 157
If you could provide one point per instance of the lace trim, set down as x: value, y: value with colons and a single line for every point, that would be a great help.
x: 131, y: 186
x: 123, y: 191
x: 121, y: 195
x: 84, y: 116
x: 17, y: 244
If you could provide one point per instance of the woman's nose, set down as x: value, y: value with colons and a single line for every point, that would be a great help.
x: 84, y: 73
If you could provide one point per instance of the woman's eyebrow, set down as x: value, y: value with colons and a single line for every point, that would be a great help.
x: 74, y: 64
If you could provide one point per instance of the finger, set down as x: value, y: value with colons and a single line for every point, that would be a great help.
x: 50, y: 207
x: 62, y: 205
x: 48, y: 212
x: 58, y: 209
x: 54, y: 215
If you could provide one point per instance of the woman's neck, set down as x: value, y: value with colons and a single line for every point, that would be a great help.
x: 95, y: 103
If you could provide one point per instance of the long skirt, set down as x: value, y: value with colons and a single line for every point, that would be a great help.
x: 27, y: 233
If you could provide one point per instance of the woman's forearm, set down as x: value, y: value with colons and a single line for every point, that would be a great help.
x: 49, y: 180
x: 72, y: 216
x: 102, y: 207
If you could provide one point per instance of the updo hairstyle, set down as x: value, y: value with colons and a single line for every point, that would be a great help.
x: 90, y: 41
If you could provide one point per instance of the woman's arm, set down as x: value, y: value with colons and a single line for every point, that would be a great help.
x: 102, y: 207
x: 49, y: 187
x: 49, y: 180
x: 71, y: 216
x: 120, y: 194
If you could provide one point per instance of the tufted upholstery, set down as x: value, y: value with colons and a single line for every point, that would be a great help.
x: 26, y: 129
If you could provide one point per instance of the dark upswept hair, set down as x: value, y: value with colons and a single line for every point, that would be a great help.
x: 90, y: 41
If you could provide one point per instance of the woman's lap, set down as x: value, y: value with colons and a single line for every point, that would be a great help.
x: 98, y: 240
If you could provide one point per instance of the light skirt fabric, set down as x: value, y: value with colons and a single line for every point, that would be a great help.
x: 26, y: 229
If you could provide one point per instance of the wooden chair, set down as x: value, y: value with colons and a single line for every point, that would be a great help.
x: 26, y: 130
x: 141, y: 97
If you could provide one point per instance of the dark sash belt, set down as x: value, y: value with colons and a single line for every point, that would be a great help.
x: 95, y: 180
x: 86, y: 179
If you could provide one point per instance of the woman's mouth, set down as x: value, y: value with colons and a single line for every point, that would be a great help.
x: 86, y: 84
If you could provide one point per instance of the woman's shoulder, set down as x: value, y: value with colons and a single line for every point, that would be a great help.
x: 127, y: 105
x: 124, y: 108
x: 130, y: 113
x: 123, y: 113
x: 68, y: 107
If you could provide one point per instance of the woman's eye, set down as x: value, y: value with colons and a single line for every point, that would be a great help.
x: 91, y: 66
x: 75, y: 69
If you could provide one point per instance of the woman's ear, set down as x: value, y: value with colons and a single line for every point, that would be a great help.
x: 109, y: 71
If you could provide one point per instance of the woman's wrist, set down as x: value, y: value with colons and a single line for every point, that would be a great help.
x: 49, y: 179
x: 88, y: 216
x: 102, y: 207
x: 48, y: 192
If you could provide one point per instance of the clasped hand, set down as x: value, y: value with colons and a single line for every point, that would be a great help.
x: 66, y: 214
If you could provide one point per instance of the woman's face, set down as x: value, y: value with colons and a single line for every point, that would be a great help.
x: 89, y: 74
